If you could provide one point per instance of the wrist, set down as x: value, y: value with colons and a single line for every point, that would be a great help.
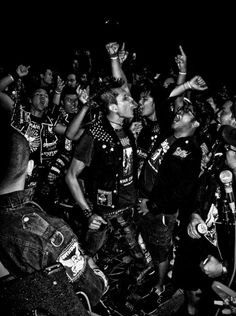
x: 11, y: 77
x: 114, y: 56
x: 14, y: 76
x: 224, y: 270
x: 87, y: 212
x: 187, y: 85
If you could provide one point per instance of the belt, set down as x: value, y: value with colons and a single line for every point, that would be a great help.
x: 117, y: 212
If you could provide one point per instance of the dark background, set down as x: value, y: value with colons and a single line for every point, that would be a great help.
x: 38, y: 33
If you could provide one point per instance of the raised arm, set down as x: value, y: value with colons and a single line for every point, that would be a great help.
x: 181, y: 61
x: 21, y: 71
x: 196, y: 83
x: 5, y: 101
x: 74, y: 129
x: 117, y: 58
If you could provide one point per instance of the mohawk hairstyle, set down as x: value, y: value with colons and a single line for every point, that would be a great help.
x: 104, y: 92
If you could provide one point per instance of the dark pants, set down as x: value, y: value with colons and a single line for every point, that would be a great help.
x: 157, y: 232
x: 95, y: 239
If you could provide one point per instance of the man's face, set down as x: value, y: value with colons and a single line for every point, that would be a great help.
x: 71, y: 103
x: 147, y: 104
x: 226, y: 116
x: 48, y: 77
x: 184, y: 118
x: 125, y: 104
x: 71, y: 80
x: 40, y: 100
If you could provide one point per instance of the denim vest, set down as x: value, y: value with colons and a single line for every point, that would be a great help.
x: 30, y: 240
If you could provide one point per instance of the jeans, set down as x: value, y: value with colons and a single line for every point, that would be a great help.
x: 95, y: 239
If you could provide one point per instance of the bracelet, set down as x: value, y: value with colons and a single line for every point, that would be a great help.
x: 182, y: 73
x: 224, y: 269
x: 114, y: 57
x: 11, y: 77
x: 57, y: 92
x: 189, y: 85
x: 87, y: 212
x: 15, y: 76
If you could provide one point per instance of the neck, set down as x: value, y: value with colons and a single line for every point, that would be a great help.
x: 179, y: 134
x: 9, y: 187
x: 116, y: 123
x: 152, y: 117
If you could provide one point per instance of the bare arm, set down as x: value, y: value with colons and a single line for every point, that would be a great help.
x: 58, y: 91
x: 6, y: 102
x: 75, y: 169
x: 196, y: 83
x: 21, y: 71
x: 181, y: 61
x: 74, y: 130
x: 117, y: 57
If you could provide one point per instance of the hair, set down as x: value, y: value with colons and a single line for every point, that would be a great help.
x: 107, y: 92
x: 68, y: 90
x: 16, y: 151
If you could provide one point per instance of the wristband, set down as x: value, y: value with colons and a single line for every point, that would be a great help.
x: 11, y: 77
x: 57, y: 92
x: 15, y: 76
x: 189, y: 85
x: 224, y: 269
x: 182, y: 73
x: 114, y: 57
x: 87, y: 212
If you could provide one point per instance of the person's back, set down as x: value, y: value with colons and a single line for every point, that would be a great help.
x: 31, y: 240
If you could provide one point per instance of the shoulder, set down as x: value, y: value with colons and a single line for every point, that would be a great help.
x: 100, y: 131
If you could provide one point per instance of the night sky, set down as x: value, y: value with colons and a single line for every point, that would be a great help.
x: 38, y: 33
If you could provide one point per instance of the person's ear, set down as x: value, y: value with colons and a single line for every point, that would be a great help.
x: 113, y: 107
x: 30, y: 167
x: 196, y: 124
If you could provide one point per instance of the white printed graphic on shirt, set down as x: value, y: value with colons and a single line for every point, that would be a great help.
x: 158, y: 155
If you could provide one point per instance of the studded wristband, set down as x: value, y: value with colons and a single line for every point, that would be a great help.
x: 87, y: 212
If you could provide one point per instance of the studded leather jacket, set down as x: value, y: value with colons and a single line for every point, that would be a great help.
x: 104, y: 162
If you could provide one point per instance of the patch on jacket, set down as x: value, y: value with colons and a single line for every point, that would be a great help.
x: 104, y: 198
x: 180, y: 153
x: 73, y: 260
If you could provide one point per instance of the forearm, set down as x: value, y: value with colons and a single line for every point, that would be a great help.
x: 178, y: 90
x: 5, y: 82
x: 117, y: 71
x: 181, y: 77
x: 6, y: 102
x: 76, y: 191
x: 73, y: 129
x: 56, y: 98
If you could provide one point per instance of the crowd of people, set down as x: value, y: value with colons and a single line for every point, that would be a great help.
x: 88, y: 149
